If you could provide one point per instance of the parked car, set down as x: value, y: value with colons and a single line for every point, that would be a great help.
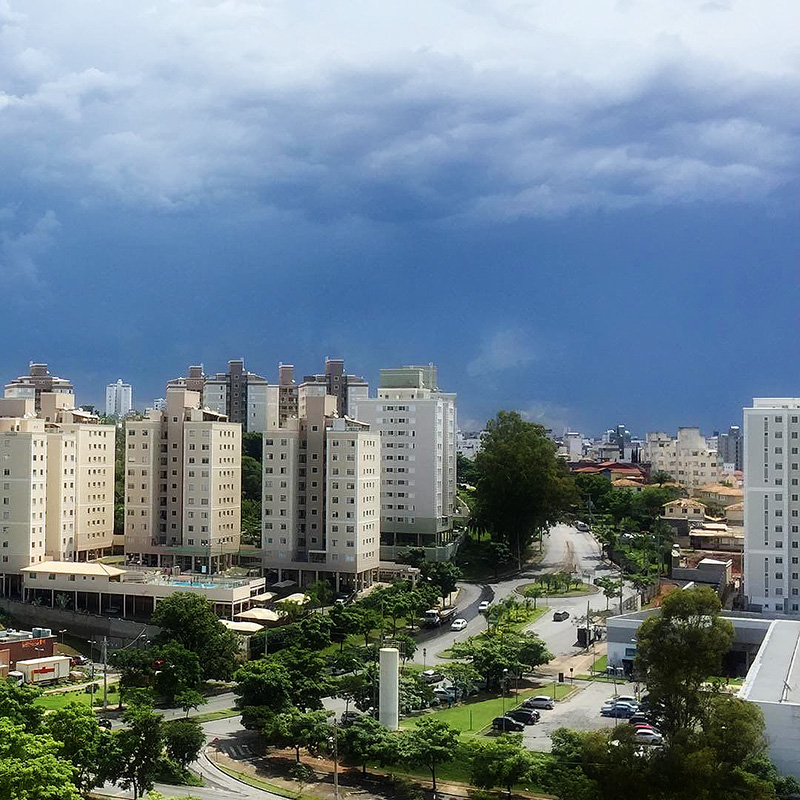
x: 78, y: 660
x: 527, y: 716
x: 458, y: 624
x: 540, y: 701
x: 432, y: 676
x: 640, y: 718
x: 483, y: 607
x: 647, y: 736
x: 445, y: 695
x: 620, y: 711
x: 104, y: 723
x: 627, y: 698
x: 582, y: 526
x: 507, y: 725
x: 349, y: 717
x: 560, y: 616
x: 608, y: 706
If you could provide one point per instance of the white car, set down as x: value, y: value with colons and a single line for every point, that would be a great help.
x: 458, y: 624
x: 647, y: 736
x: 483, y: 607
x: 540, y: 701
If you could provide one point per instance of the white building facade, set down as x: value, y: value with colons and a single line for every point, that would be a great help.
x: 119, y: 399
x: 772, y: 504
x: 687, y: 457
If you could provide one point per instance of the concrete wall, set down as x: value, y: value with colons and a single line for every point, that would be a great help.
x: 783, y: 735
x: 87, y: 626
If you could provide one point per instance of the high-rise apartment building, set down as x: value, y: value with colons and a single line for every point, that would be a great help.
x: 38, y: 380
x: 287, y: 394
x: 119, y: 399
x: 730, y: 447
x: 183, y: 486
x: 417, y: 424
x: 242, y: 396
x: 686, y: 458
x: 56, y: 486
x: 772, y: 504
x: 321, y: 496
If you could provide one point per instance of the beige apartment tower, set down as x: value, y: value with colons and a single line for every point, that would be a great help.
x: 57, y: 484
x: 321, y: 497
x: 183, y: 486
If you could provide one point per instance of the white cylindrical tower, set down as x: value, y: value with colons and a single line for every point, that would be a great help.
x: 389, y: 703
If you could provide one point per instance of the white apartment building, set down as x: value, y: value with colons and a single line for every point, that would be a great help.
x: 119, y: 399
x: 686, y: 457
x: 772, y: 504
x: 183, y: 486
x: 417, y: 424
x: 321, y: 497
x: 469, y: 445
x: 57, y: 484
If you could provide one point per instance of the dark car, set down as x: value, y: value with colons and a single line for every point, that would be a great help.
x: 349, y: 717
x: 638, y: 718
x: 620, y: 711
x: 528, y: 716
x: 560, y: 616
x: 507, y: 725
x: 104, y: 723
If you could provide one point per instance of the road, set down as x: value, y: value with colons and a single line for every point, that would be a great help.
x: 565, y: 548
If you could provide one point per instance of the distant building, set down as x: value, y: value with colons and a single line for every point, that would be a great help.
x: 686, y: 457
x: 244, y: 397
x: 730, y: 447
x: 469, y: 445
x: 160, y: 404
x: 38, y: 380
x: 417, y: 424
x: 119, y: 399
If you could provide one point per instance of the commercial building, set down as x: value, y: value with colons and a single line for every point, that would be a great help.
x: 687, y: 457
x: 244, y: 397
x: 321, y: 496
x: 108, y: 591
x: 119, y: 399
x: 57, y: 484
x: 37, y: 380
x: 417, y: 425
x: 183, y: 486
x: 772, y: 504
x: 23, y: 645
x: 730, y: 447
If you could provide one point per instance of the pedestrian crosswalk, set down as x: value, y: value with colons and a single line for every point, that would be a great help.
x: 239, y: 752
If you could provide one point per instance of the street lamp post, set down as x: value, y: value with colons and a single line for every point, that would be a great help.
x: 61, y: 634
x: 503, y: 689
x: 335, y: 743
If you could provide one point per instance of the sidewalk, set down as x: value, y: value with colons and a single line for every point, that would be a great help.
x: 581, y: 663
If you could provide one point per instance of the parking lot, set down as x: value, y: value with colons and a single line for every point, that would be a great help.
x: 581, y: 711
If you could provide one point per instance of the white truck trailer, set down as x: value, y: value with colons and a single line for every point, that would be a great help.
x: 41, y: 671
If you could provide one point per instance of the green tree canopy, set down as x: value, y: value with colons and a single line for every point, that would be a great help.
x: 263, y: 688
x: 139, y: 748
x: 443, y: 575
x: 30, y: 768
x: 367, y: 740
x: 430, y: 743
x: 17, y: 705
x: 189, y: 620
x: 81, y: 741
x: 298, y: 729
x: 523, y: 488
x: 176, y: 670
x: 183, y: 739
x: 504, y: 761
x: 678, y: 650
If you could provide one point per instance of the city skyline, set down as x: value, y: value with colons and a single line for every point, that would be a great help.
x: 587, y: 213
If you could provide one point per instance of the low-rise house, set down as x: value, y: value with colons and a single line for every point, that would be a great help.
x: 720, y: 493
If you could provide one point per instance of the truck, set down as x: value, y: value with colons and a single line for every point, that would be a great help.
x: 41, y: 671
x: 438, y: 616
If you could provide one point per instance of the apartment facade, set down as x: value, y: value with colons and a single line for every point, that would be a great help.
x: 687, y: 457
x: 119, y: 399
x: 730, y: 446
x: 772, y: 504
x: 321, y: 496
x: 418, y: 428
x: 183, y: 486
x: 57, y: 484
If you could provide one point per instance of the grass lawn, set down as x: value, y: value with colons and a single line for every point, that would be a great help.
x: 581, y: 589
x: 475, y: 715
x: 210, y: 716
x: 52, y: 702
x: 601, y: 664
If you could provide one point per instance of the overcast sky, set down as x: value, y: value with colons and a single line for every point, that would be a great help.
x: 587, y: 211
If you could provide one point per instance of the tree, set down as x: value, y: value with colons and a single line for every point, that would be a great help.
x: 183, y: 739
x: 523, y: 488
x: 535, y: 592
x: 315, y: 632
x: 430, y: 743
x: 513, y: 652
x: 263, y: 688
x: 176, y: 670
x: 367, y: 740
x: 503, y: 762
x: 363, y: 620
x: 140, y: 747
x: 17, y: 705
x: 462, y: 676
x: 678, y: 650
x: 320, y: 594
x: 30, y: 768
x: 444, y: 575
x: 251, y: 478
x: 189, y: 620
x: 187, y: 699
x: 610, y: 587
x: 414, y: 557
x: 81, y: 741
x: 660, y: 476
x: 136, y: 669
x: 308, y: 676
x: 498, y: 553
x: 298, y: 729
x: 406, y: 645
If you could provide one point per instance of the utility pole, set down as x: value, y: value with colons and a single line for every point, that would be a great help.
x: 105, y: 674
x: 335, y: 760
x: 266, y: 641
